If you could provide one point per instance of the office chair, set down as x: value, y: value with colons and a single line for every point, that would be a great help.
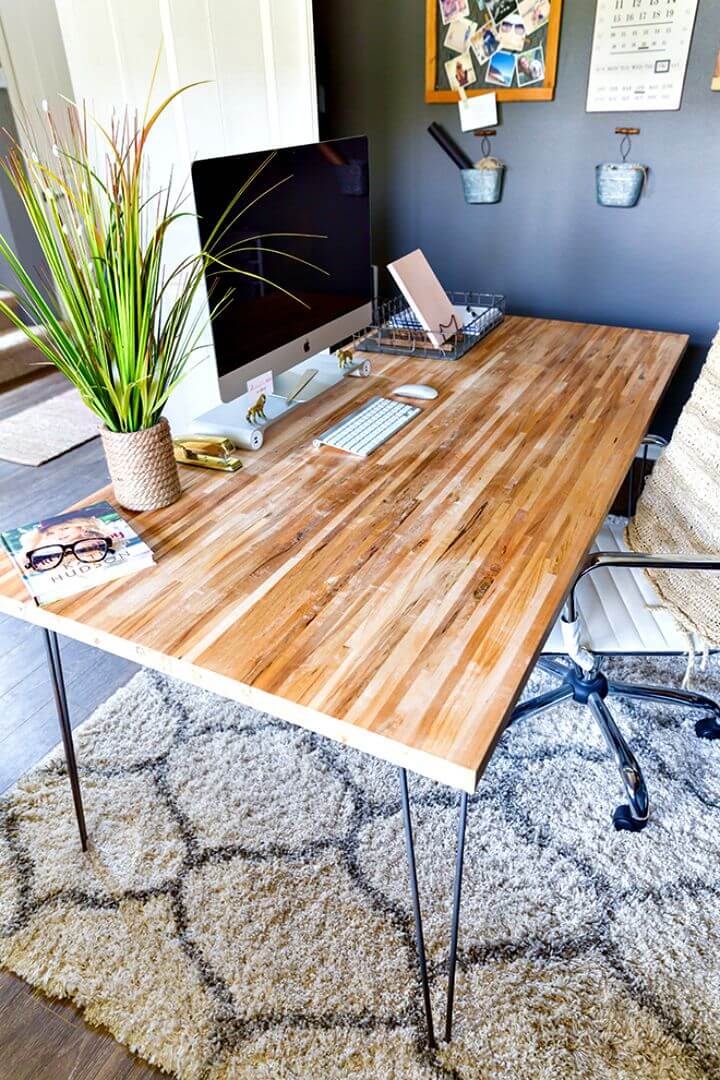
x: 613, y: 610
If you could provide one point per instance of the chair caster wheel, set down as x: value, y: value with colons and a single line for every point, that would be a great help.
x: 707, y: 727
x: 625, y: 822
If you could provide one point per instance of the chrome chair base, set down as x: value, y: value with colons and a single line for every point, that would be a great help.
x: 592, y: 689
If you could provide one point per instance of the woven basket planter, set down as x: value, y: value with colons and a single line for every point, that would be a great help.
x: 142, y: 466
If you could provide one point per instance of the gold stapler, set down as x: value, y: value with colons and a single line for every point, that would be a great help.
x: 207, y: 452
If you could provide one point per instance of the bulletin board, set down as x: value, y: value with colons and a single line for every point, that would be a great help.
x: 506, y: 46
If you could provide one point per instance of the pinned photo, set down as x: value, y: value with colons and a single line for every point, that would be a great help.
x: 498, y: 9
x: 501, y: 69
x: 531, y: 67
x: 454, y: 9
x: 459, y: 34
x: 460, y: 71
x: 511, y: 32
x: 484, y: 42
x: 535, y: 13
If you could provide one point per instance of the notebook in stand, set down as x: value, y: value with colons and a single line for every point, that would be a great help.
x: 425, y: 295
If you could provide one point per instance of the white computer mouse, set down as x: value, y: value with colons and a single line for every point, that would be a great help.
x: 415, y: 390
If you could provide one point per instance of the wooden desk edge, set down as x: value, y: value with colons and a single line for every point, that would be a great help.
x: 685, y: 339
x: 379, y: 746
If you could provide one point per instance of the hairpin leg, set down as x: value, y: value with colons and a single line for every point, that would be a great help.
x: 56, y: 674
x: 412, y: 873
x: 459, y: 856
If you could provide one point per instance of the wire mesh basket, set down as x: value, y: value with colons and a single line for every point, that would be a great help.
x: 395, y: 328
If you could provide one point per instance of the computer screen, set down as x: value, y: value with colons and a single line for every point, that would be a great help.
x: 301, y: 232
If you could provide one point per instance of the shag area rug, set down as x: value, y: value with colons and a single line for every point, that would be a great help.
x: 244, y: 909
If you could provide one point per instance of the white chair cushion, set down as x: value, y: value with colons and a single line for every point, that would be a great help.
x: 620, y: 612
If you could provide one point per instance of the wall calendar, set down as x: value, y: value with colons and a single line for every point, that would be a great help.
x: 639, y: 54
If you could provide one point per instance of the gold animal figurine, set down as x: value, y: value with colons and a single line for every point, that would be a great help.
x: 344, y: 358
x: 257, y: 411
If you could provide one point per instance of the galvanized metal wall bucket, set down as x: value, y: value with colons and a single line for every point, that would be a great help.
x: 483, y: 185
x: 619, y: 183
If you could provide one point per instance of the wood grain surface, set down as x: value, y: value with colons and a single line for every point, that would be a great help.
x: 394, y: 603
x: 47, y: 1039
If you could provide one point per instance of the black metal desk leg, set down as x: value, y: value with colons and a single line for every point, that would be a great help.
x: 56, y: 674
x: 419, y: 940
x: 459, y: 856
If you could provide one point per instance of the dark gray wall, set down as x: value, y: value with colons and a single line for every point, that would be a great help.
x: 548, y: 246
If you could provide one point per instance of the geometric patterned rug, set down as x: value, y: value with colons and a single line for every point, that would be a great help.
x: 243, y: 911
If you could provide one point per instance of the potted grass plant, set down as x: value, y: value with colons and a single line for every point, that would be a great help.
x: 115, y: 319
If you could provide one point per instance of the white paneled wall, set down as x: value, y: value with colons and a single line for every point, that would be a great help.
x: 32, y: 58
x: 256, y: 61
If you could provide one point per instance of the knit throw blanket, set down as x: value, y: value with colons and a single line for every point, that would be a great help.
x: 679, y: 509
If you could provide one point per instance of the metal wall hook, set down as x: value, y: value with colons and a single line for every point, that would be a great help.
x: 485, y: 146
x: 626, y: 142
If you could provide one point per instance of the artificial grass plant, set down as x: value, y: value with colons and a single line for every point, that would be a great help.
x: 117, y: 321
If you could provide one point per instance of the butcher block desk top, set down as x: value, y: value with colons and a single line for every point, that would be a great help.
x: 395, y: 603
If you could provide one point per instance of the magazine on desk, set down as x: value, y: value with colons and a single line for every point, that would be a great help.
x: 127, y: 552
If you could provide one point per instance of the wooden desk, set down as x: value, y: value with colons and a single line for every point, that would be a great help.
x: 394, y: 603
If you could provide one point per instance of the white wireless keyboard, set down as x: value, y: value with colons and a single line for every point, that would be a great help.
x: 369, y: 426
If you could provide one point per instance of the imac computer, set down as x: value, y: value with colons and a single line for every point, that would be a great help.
x: 300, y: 232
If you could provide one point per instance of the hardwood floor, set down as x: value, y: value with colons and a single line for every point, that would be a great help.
x: 43, y: 1039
